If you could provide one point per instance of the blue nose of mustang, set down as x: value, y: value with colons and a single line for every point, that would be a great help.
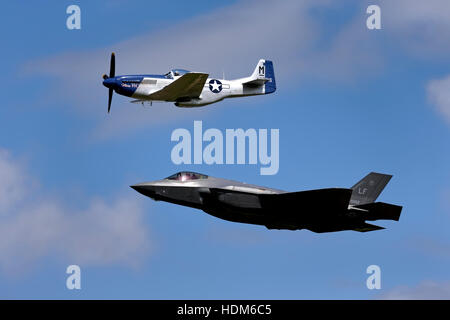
x: 109, y: 83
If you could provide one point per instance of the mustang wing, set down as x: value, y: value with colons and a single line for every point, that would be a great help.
x: 190, y: 85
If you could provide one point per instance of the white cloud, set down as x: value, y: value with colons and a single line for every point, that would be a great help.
x: 439, y: 95
x: 34, y: 227
x: 422, y: 26
x: 426, y: 290
x: 12, y: 182
x: 352, y: 53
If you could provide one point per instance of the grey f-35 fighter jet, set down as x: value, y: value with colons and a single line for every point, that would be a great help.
x: 322, y: 210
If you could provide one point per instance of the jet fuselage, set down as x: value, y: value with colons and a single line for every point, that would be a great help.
x: 321, y: 210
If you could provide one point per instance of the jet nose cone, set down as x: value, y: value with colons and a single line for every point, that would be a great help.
x: 138, y: 187
x: 146, y: 190
x: 109, y: 82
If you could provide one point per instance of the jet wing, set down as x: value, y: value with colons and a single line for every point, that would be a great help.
x: 326, y: 201
x: 365, y: 227
x: 190, y: 85
x: 322, y: 201
x: 321, y: 210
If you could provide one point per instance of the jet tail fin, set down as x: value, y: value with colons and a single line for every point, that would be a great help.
x: 263, y: 75
x: 369, y: 188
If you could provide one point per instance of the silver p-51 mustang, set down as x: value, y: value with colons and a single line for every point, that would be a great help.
x: 322, y: 210
x: 186, y: 88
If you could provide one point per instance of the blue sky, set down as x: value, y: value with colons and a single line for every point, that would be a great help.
x: 349, y: 101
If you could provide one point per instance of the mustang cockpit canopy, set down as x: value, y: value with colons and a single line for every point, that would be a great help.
x: 186, y: 176
x: 175, y: 73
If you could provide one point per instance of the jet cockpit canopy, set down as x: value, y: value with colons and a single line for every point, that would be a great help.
x: 187, y: 176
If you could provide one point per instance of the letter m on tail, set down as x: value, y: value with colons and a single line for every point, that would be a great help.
x: 263, y: 75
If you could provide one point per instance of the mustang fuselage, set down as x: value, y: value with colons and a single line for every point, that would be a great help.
x: 193, y: 89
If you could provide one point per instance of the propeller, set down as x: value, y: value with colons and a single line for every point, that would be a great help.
x: 112, y: 71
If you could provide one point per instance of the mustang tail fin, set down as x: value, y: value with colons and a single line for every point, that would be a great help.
x: 263, y: 75
x: 369, y: 188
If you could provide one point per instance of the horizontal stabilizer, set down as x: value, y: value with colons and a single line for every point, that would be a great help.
x: 256, y: 82
x: 380, y: 211
x: 333, y: 227
x: 366, y: 227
